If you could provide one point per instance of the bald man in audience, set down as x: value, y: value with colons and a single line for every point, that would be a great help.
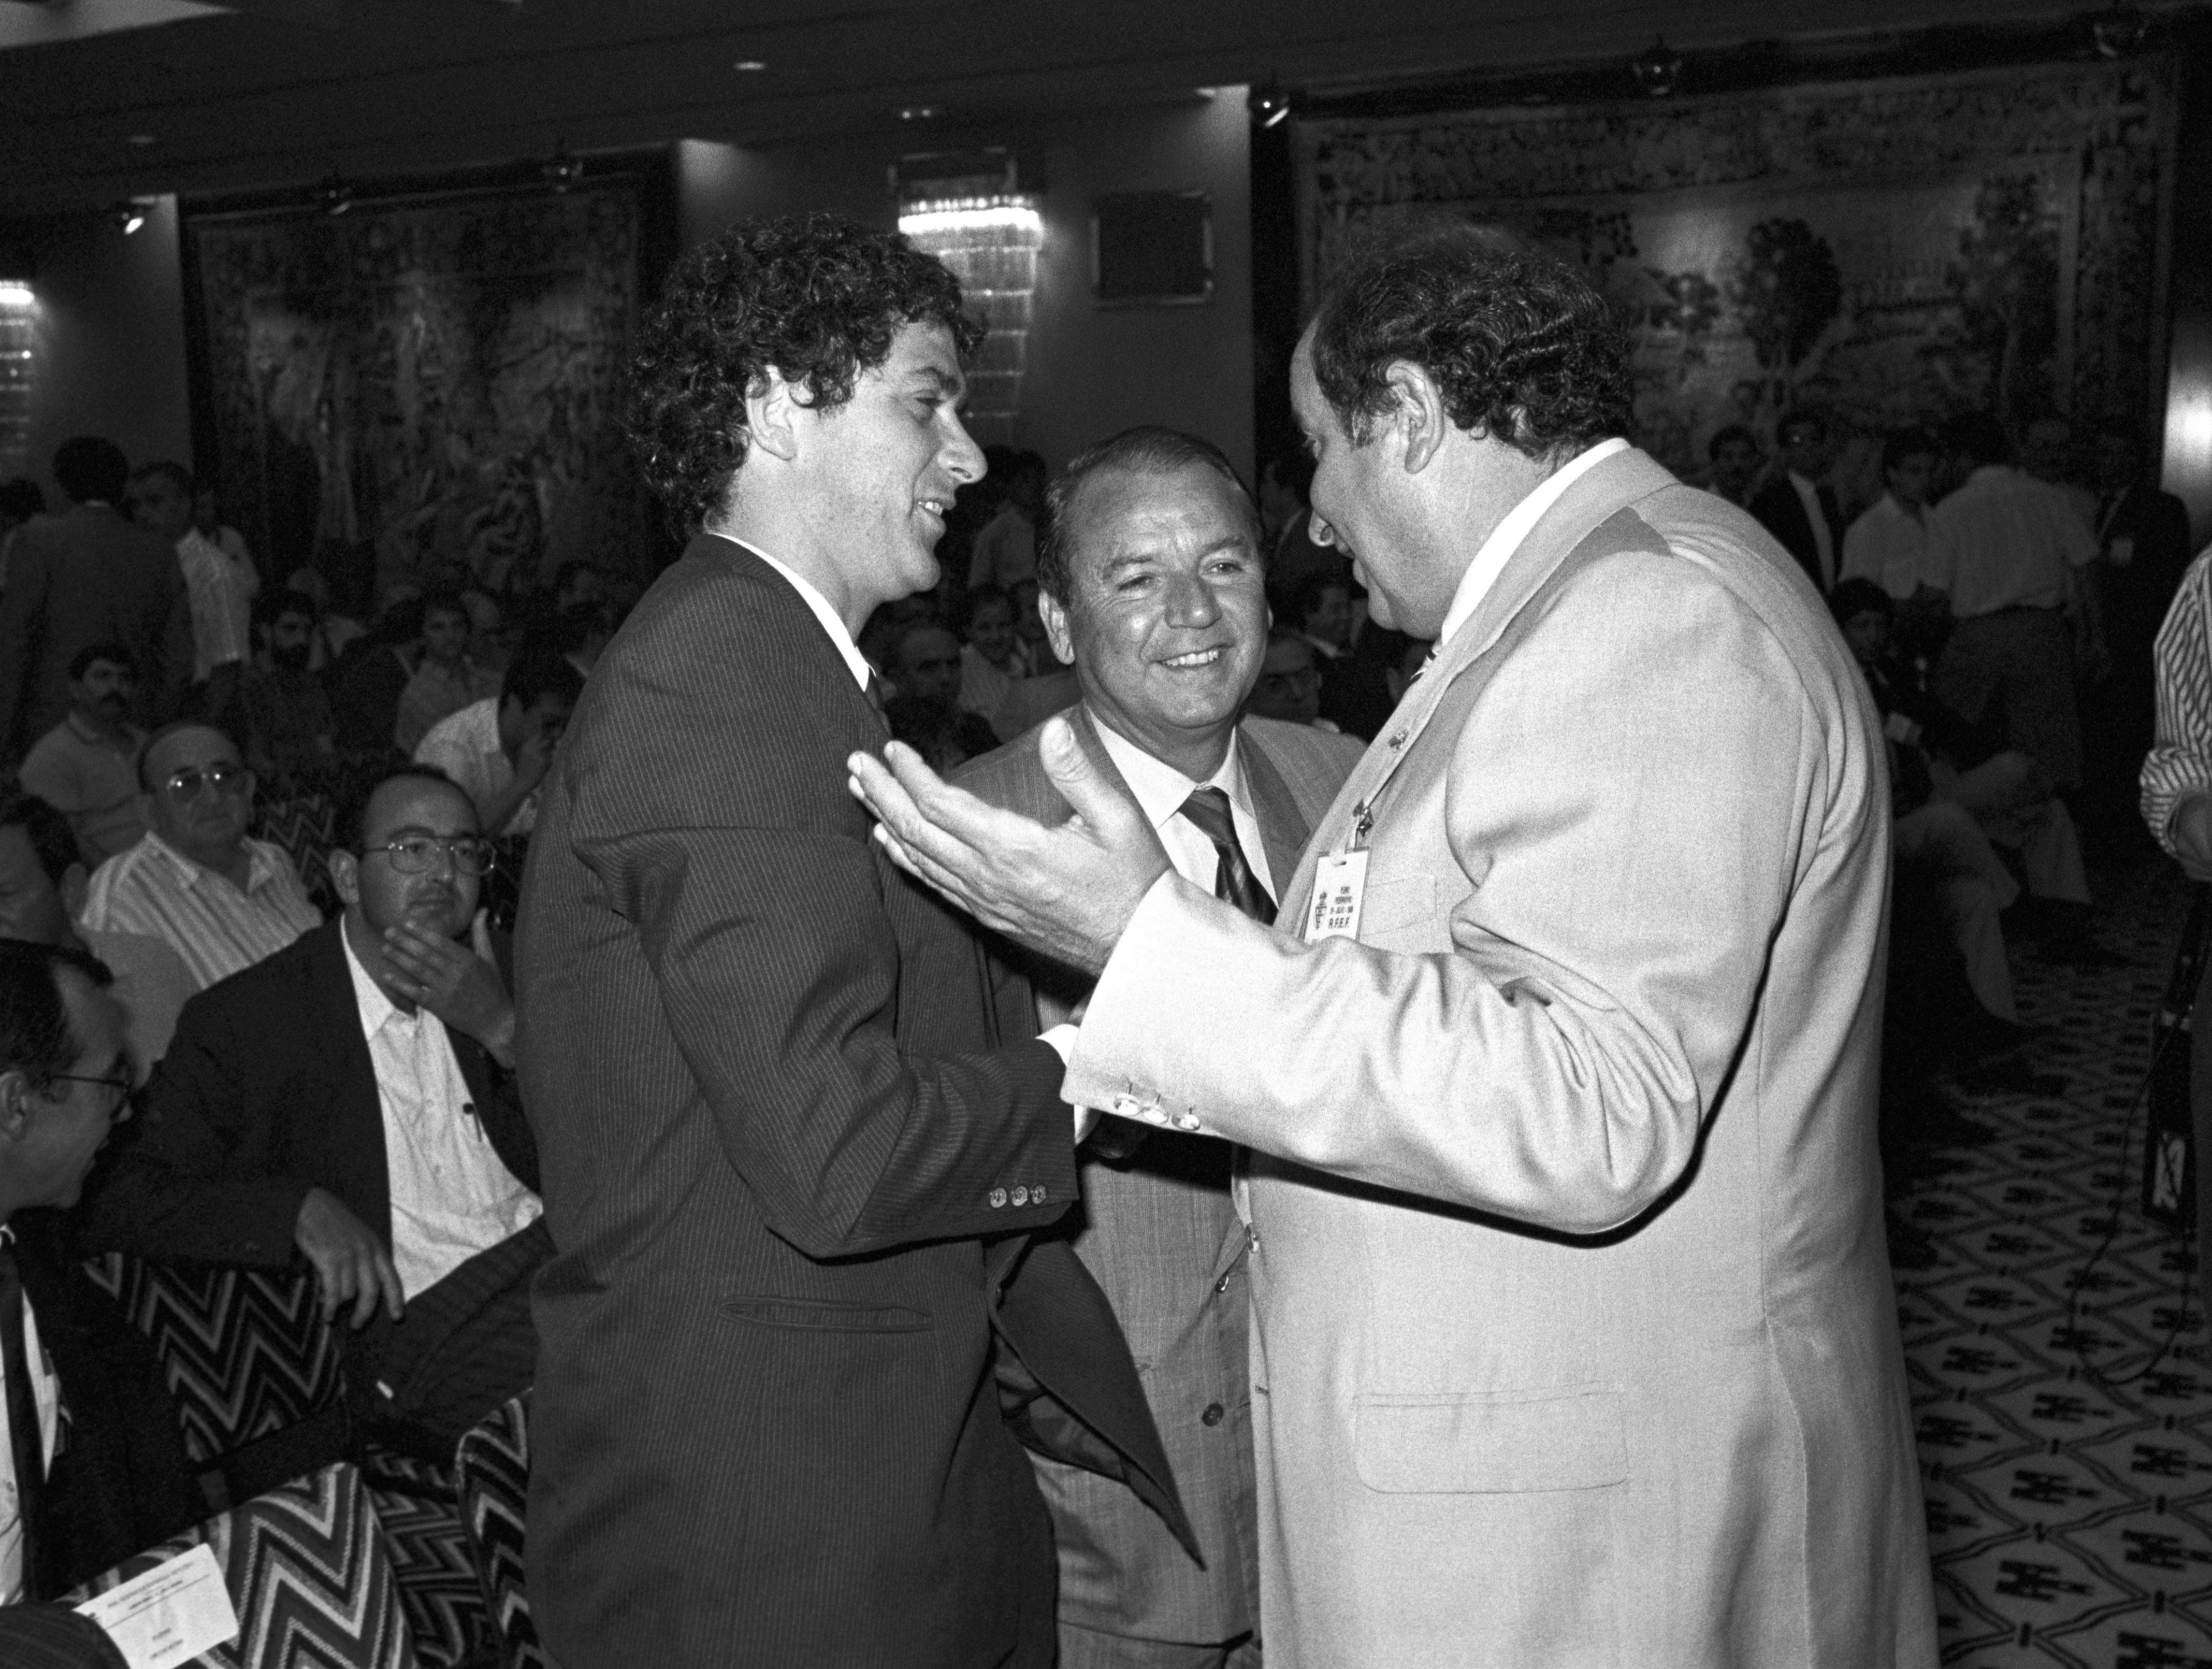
x: 221, y: 901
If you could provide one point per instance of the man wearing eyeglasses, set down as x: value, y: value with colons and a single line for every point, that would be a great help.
x: 221, y: 901
x: 350, y: 1098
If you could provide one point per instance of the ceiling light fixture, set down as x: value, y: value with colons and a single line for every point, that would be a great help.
x: 1270, y: 106
x: 2120, y: 31
x: 334, y: 196
x: 1657, y: 68
x: 17, y: 295
x: 140, y: 139
x: 562, y: 171
x: 128, y: 217
x: 919, y: 113
x: 750, y: 66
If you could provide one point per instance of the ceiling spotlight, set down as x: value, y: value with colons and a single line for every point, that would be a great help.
x: 561, y: 170
x: 1657, y: 68
x: 128, y: 217
x: 334, y: 196
x: 141, y: 139
x: 918, y: 112
x: 1270, y: 106
x: 2120, y: 31
x: 750, y: 66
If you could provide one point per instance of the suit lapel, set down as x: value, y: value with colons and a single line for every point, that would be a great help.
x: 354, y: 1133
x: 1283, y: 832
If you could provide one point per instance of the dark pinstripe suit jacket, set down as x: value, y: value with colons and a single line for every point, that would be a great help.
x: 787, y: 1174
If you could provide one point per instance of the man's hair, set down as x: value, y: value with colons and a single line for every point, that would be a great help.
x: 577, y: 624
x: 21, y: 498
x: 1302, y: 598
x: 1801, y: 416
x: 90, y: 467
x: 1909, y: 443
x: 1726, y: 433
x: 1855, y: 597
x: 1519, y: 346
x: 174, y: 473
x: 538, y: 673
x: 353, y: 810
x: 979, y: 597
x: 1148, y: 449
x: 568, y: 570
x: 275, y: 608
x: 1980, y: 435
x: 35, y: 1038
x: 51, y: 840
x: 81, y: 662
x: 177, y: 727
x: 818, y: 299
x: 447, y: 602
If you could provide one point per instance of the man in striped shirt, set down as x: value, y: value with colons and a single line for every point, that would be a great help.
x: 221, y: 901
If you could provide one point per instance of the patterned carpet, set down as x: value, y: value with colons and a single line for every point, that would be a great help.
x: 2068, y: 1463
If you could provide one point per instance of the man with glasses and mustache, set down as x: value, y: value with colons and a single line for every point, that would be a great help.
x: 87, y: 766
x: 350, y: 1099
x: 221, y: 901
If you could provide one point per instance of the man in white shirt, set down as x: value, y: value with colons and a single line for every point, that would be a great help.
x: 498, y: 749
x: 221, y: 581
x: 1894, y: 542
x: 351, y: 1099
x: 1154, y: 591
x: 221, y: 901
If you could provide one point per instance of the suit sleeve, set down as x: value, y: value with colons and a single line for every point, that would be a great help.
x: 768, y: 933
x: 1624, y: 806
x: 178, y: 1189
x: 22, y: 604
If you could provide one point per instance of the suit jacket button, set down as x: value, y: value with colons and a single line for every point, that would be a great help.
x: 1036, y: 1197
x: 1212, y: 1415
x: 997, y: 1199
x: 1021, y: 1197
x: 1156, y: 1114
x: 1186, y: 1121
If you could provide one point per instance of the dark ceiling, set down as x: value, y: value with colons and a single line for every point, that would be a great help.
x: 266, y: 93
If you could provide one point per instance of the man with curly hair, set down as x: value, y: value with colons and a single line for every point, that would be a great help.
x: 1575, y: 1341
x: 794, y: 1337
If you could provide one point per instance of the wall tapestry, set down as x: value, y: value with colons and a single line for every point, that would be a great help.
x: 426, y: 393
x: 1899, y: 250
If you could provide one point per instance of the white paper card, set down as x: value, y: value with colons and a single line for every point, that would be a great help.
x: 1339, y: 881
x: 171, y: 1614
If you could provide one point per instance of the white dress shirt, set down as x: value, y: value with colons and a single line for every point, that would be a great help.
x: 47, y: 1392
x: 219, y: 585
x: 1505, y: 538
x: 854, y: 660
x: 1161, y: 790
x: 153, y: 888
x: 465, y: 745
x: 2010, y: 542
x: 1824, y: 542
x: 453, y: 1195
x: 1895, y: 547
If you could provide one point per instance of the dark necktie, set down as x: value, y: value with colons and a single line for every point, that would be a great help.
x: 23, y: 1436
x: 874, y: 692
x: 1207, y: 810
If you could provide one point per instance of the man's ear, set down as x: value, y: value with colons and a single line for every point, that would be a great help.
x: 772, y: 409
x: 75, y: 884
x: 345, y: 877
x: 1057, y: 630
x: 16, y: 1094
x: 1417, y: 409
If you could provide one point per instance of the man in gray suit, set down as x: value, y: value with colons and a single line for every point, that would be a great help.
x: 1152, y: 585
x: 1574, y: 1338
x: 90, y: 575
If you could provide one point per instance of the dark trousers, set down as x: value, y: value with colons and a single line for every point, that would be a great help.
x: 463, y: 1347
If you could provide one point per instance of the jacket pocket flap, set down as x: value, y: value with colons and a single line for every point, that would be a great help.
x: 1508, y: 1442
x: 1402, y: 901
x: 828, y: 1314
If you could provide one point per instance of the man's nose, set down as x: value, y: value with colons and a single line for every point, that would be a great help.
x: 962, y: 459
x: 1191, y: 601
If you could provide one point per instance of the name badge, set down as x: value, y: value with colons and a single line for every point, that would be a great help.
x: 1339, y: 881
x: 2122, y: 552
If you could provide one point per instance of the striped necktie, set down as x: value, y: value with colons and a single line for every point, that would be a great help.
x: 24, y: 1438
x: 1207, y: 811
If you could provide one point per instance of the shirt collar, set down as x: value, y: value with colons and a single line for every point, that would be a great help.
x: 259, y: 868
x: 376, y: 1007
x: 1505, y: 538
x: 1159, y: 787
x: 855, y: 662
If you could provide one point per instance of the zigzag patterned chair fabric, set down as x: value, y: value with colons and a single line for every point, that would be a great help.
x: 246, y: 1353
x: 494, y: 1465
x: 308, y: 1573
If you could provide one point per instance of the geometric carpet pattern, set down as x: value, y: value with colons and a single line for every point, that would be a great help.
x: 494, y: 1467
x: 440, y: 1590
x: 2055, y: 1342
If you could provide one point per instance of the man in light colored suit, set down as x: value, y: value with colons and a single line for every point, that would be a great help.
x: 1576, y: 1342
x: 1152, y: 586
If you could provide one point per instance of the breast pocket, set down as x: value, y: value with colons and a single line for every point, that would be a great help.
x: 1400, y: 908
x: 1498, y: 1443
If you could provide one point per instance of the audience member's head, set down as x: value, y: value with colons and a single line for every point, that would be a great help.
x: 988, y: 620
x: 1154, y: 589
x: 487, y: 624
x: 926, y: 662
x: 1023, y: 478
x: 574, y: 583
x: 1977, y: 438
x: 2046, y: 450
x: 1288, y: 687
x: 66, y: 1075
x: 103, y: 677
x: 42, y: 879
x: 537, y: 694
x: 1736, y: 459
x: 1320, y: 605
x: 580, y: 635
x: 290, y: 621
x: 200, y: 793
x: 21, y: 499
x: 409, y: 852
x: 1807, y: 441
x: 399, y: 623
x: 92, y: 471
x: 1029, y: 621
x: 1284, y: 482
x: 446, y: 628
x: 809, y: 304
x: 161, y: 498
x: 1910, y: 460
x: 1866, y: 614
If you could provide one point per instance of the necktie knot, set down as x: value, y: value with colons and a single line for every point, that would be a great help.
x: 1209, y: 812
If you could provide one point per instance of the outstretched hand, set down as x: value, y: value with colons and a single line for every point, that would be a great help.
x: 1068, y: 892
